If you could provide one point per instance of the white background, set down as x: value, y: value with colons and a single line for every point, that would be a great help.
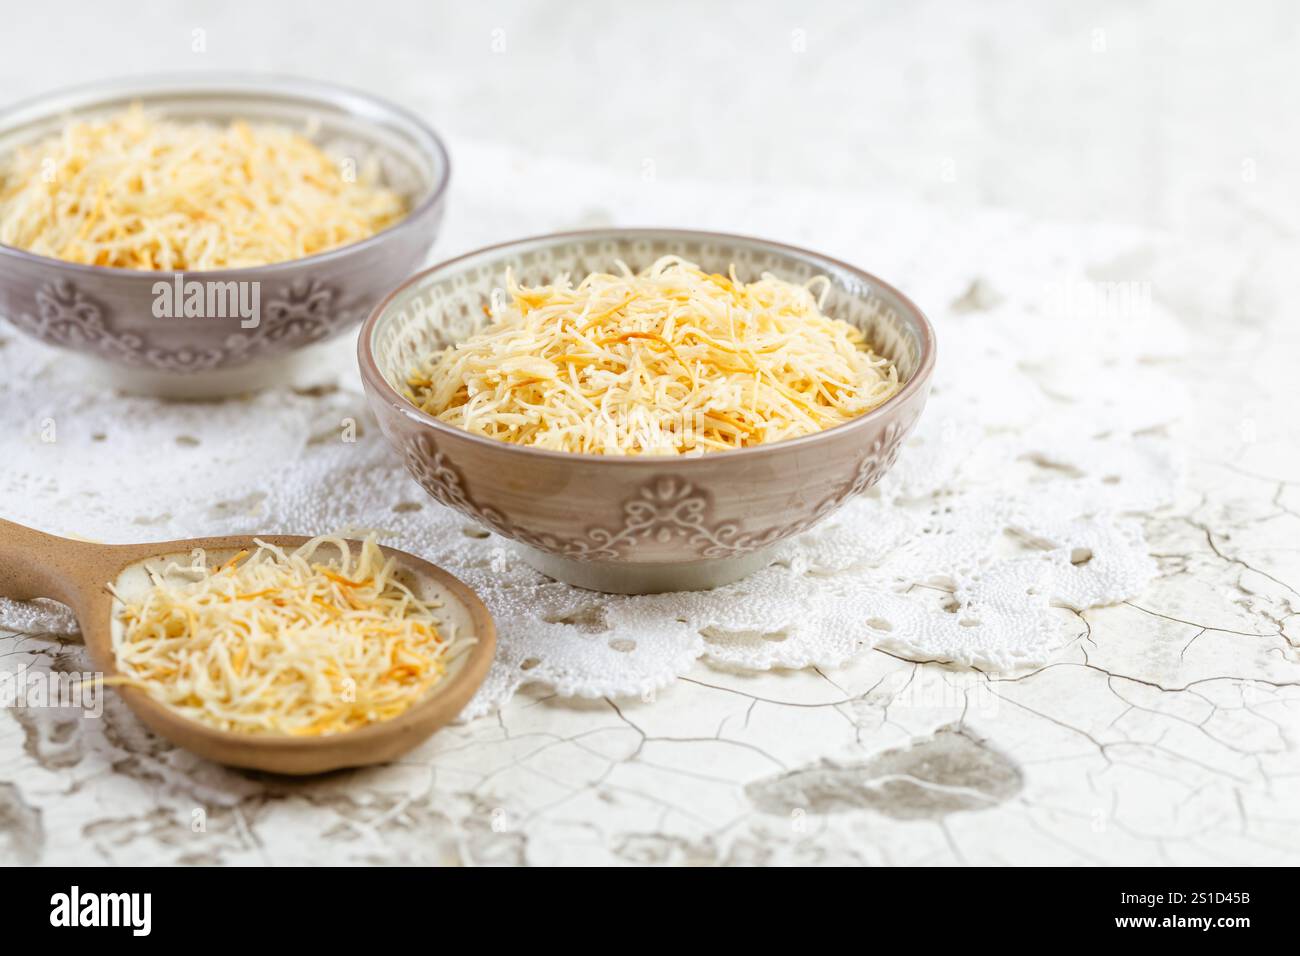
x: 1170, y: 114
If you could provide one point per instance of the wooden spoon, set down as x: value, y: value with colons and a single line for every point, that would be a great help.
x: 34, y: 564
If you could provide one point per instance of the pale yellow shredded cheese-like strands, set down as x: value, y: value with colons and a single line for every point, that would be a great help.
x: 670, y: 360
x: 287, y: 643
x: 137, y: 192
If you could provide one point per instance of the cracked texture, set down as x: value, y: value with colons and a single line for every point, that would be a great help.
x: 948, y: 771
x: 1161, y: 728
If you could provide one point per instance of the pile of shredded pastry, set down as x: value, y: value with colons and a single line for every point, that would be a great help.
x: 670, y: 360
x: 284, y: 643
x: 138, y: 192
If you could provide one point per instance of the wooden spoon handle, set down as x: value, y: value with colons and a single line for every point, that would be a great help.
x: 35, y: 564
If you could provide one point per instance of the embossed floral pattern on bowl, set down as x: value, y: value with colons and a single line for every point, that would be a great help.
x: 639, y: 524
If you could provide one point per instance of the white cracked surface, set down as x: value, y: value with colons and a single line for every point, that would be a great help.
x: 1162, y: 729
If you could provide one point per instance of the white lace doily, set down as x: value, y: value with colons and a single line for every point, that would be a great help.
x: 1014, y: 496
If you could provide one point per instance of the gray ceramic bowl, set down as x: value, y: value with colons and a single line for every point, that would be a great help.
x: 108, y: 314
x: 637, y: 525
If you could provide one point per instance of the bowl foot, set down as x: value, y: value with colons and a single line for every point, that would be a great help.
x: 629, y: 577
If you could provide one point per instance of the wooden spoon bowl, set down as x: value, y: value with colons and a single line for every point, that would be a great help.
x: 34, y: 564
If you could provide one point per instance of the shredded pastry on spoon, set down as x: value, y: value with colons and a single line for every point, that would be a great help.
x: 284, y: 642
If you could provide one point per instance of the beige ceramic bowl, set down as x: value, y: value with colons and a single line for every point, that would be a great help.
x: 636, y: 525
x: 107, y: 316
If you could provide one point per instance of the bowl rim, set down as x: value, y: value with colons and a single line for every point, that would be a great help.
x: 216, y: 82
x: 374, y: 379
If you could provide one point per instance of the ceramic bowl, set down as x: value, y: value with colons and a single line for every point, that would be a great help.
x: 639, y: 524
x: 108, y: 315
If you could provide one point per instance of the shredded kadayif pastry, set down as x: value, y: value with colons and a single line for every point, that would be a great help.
x: 137, y: 192
x: 276, y: 642
x: 670, y: 360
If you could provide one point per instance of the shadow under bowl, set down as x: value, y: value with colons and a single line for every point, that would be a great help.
x: 639, y: 524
